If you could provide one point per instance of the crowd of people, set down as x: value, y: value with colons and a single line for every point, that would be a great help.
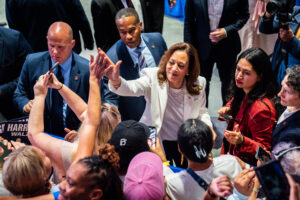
x: 132, y: 121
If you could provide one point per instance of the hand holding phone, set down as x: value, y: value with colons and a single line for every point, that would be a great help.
x: 152, y: 136
x: 262, y: 155
x: 227, y: 117
x: 53, y: 67
x: 273, y: 180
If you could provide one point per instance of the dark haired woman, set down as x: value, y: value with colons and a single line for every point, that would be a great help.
x: 173, y: 92
x: 195, y: 142
x: 251, y: 106
x: 93, y: 177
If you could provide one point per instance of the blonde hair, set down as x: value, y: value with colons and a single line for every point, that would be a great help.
x: 110, y: 118
x: 194, y: 66
x: 24, y: 173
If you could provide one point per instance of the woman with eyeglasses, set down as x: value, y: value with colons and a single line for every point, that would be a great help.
x: 251, y: 106
x: 288, y: 125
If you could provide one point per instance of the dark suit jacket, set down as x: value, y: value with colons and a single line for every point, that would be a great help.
x: 103, y: 13
x: 38, y: 64
x: 133, y: 107
x: 196, y: 26
x: 34, y: 17
x: 288, y: 130
x: 13, y: 51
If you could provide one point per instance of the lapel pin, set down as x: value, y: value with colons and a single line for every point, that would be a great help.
x: 284, y: 123
x: 76, y: 78
x: 153, y: 46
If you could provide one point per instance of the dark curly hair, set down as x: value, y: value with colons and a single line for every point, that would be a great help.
x: 101, y: 173
x: 267, y: 87
x: 194, y: 66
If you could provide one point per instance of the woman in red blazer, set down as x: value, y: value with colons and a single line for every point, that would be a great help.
x: 251, y: 106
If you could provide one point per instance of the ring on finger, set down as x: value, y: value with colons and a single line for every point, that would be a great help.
x: 100, y: 63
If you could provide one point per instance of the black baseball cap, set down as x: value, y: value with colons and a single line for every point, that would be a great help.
x: 129, y: 138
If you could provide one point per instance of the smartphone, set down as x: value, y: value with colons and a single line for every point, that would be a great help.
x: 53, y: 67
x: 153, y: 135
x: 227, y: 117
x: 262, y: 155
x: 6, y: 152
x: 273, y: 180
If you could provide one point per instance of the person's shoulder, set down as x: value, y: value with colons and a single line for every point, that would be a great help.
x: 225, y: 160
x: 37, y: 57
x: 262, y: 104
x: 115, y: 51
x: 8, y: 32
x: 154, y: 36
x: 115, y: 47
x: 150, y: 71
x: 171, y: 178
x: 80, y: 60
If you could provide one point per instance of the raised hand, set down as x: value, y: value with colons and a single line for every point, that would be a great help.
x: 53, y: 82
x: 40, y: 88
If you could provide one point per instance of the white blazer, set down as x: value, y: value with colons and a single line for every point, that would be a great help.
x: 156, y: 97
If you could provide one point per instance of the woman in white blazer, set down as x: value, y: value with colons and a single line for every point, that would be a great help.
x: 174, y: 92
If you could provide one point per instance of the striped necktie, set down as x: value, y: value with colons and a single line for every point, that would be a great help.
x: 141, y: 59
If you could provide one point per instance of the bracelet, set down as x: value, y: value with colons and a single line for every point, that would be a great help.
x: 210, y: 193
x: 61, y: 86
x: 167, y: 163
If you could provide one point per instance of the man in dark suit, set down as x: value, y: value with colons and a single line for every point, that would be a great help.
x: 288, y: 127
x: 104, y: 12
x: 212, y: 27
x: 136, y: 50
x: 73, y: 71
x: 13, y: 51
x: 33, y: 18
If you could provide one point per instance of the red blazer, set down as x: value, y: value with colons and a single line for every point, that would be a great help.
x: 256, y: 124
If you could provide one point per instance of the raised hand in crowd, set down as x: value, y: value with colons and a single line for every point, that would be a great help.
x: 93, y: 113
x: 40, y: 88
x: 110, y: 69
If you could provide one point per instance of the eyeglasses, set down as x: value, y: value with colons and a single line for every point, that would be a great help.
x: 279, y: 154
